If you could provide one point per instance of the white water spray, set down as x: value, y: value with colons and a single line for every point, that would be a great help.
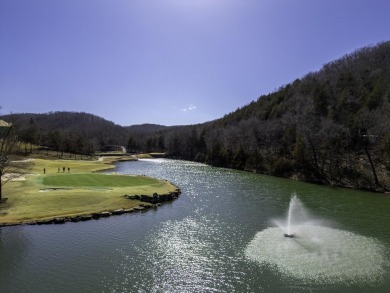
x: 289, y: 217
x: 315, y: 253
x: 293, y: 203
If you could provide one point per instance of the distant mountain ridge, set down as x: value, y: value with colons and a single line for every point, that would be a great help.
x: 145, y: 128
x: 90, y: 126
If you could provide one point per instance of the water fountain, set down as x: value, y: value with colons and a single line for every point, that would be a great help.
x: 301, y: 247
x: 294, y: 203
x: 297, y: 218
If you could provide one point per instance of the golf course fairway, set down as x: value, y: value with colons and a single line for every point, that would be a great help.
x: 49, y: 192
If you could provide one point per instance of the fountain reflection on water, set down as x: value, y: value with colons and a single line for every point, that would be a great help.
x: 303, y: 248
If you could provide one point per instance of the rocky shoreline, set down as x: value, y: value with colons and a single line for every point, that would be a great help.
x: 146, y: 202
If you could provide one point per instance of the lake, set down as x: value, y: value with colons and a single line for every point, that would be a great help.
x: 221, y: 235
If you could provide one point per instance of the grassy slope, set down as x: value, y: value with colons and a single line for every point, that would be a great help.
x: 33, y: 199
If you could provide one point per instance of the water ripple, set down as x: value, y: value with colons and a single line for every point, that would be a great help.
x: 183, y: 256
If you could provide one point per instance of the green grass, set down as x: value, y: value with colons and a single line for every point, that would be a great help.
x: 46, y: 196
x: 96, y: 180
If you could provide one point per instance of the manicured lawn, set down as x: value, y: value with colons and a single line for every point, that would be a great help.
x: 80, y: 192
x: 96, y: 180
x: 75, y: 166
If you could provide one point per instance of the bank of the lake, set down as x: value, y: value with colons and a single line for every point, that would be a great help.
x: 56, y: 191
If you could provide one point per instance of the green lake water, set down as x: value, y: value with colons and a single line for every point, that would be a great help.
x: 221, y: 235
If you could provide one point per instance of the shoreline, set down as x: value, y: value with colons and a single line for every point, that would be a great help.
x: 381, y: 189
x: 144, y: 205
x: 73, y: 204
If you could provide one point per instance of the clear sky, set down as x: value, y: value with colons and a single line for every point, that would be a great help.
x: 170, y: 62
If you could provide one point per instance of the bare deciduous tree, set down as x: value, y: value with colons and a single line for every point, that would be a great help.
x: 9, y: 169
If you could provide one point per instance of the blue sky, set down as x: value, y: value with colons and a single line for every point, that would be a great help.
x: 170, y: 62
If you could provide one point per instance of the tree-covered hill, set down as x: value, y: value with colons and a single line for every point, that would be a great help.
x: 143, y: 129
x: 65, y: 130
x: 331, y: 126
x: 76, y: 132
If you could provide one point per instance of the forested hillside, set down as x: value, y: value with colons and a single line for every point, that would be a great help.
x: 331, y: 126
x: 75, y: 132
